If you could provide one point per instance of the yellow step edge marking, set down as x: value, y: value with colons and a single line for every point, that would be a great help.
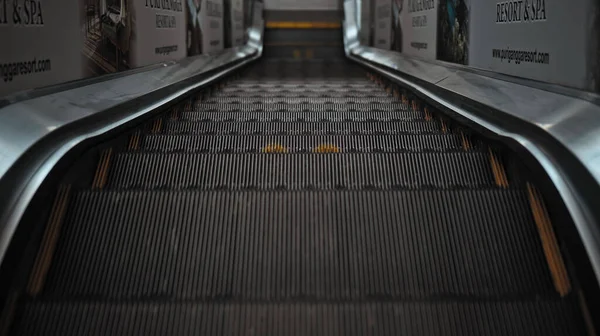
x: 157, y: 126
x: 303, y: 44
x: 428, y: 115
x: 444, y: 126
x: 327, y: 148
x: 274, y: 148
x: 587, y: 317
x: 102, y: 169
x: 555, y: 261
x: 309, y: 53
x: 498, y: 170
x: 48, y: 244
x: 134, y: 141
x: 302, y: 25
x: 297, y: 54
x: 415, y: 105
x: 466, y: 143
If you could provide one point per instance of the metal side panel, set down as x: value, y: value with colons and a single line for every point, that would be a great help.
x: 560, y: 131
x: 36, y: 133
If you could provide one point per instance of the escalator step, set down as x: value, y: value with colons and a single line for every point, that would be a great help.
x: 284, y: 244
x: 360, y: 107
x: 307, y: 128
x: 302, y: 116
x: 301, y: 170
x: 299, y: 100
x: 301, y: 94
x: 262, y: 88
x: 304, y: 84
x: 189, y: 318
x: 301, y: 143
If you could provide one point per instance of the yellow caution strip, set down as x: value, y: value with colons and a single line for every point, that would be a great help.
x: 309, y: 53
x: 134, y: 141
x: 157, y: 126
x: 444, y: 126
x: 498, y: 170
x: 274, y: 148
x: 466, y: 143
x: 48, y: 245
x: 428, y: 115
x: 303, y: 44
x: 102, y: 169
x: 302, y: 25
x: 549, y: 242
x: 415, y: 105
x: 327, y: 148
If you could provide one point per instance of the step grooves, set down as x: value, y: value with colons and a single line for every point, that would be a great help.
x: 306, y: 128
x: 172, y: 318
x: 300, y: 116
x: 299, y: 100
x: 193, y: 244
x: 276, y: 107
x: 301, y: 143
x: 301, y: 170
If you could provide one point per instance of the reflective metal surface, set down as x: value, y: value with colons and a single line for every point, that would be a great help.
x: 25, y: 125
x: 546, y: 124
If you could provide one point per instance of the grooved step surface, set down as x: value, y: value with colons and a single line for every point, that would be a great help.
x: 302, y: 199
x: 283, y: 107
x: 302, y: 116
x: 264, y: 88
x: 301, y: 143
x: 282, y: 128
x: 310, y: 84
x: 301, y: 171
x: 190, y: 318
x: 301, y: 94
x: 300, y: 100
x: 305, y: 244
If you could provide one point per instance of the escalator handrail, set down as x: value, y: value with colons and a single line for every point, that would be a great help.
x: 561, y: 132
x: 36, y: 133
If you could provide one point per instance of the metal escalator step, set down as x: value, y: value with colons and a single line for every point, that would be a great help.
x: 233, y: 89
x: 312, y: 95
x: 299, y: 100
x: 302, y: 116
x: 289, y: 128
x: 301, y: 170
x: 525, y: 318
x: 301, y: 143
x: 299, y: 107
x: 284, y: 245
x: 307, y: 84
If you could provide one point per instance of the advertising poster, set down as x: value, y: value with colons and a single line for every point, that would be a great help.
x: 363, y: 19
x: 125, y: 34
x: 383, y: 24
x: 234, y: 23
x: 453, y: 30
x: 40, y: 44
x: 548, y: 40
x: 415, y: 27
x: 205, y: 26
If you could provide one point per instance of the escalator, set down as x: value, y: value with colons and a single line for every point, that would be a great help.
x: 298, y: 198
